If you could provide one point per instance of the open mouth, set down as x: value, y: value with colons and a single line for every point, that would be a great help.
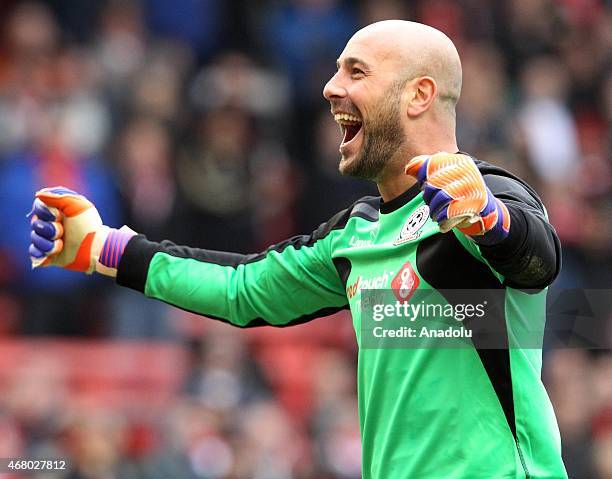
x: 351, y: 126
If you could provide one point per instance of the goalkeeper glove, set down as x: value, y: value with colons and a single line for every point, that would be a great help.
x: 457, y: 196
x: 67, y: 231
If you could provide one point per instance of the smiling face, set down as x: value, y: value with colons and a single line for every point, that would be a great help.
x: 394, y: 97
x: 365, y: 96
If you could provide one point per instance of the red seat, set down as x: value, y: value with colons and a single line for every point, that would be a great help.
x: 99, y: 373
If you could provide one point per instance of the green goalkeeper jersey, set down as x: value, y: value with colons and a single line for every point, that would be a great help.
x: 425, y: 411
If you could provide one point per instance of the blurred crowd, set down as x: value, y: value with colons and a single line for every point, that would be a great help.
x: 202, y: 121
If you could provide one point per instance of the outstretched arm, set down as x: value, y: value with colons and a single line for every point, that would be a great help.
x: 289, y: 283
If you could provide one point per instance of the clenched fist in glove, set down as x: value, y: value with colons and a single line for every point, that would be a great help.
x: 458, y: 197
x: 67, y: 231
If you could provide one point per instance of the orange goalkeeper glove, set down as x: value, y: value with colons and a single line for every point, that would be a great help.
x: 458, y: 197
x: 67, y: 231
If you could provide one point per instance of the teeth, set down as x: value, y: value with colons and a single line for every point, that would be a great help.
x: 346, y: 118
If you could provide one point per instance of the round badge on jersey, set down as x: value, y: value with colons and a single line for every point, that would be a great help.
x: 412, y: 228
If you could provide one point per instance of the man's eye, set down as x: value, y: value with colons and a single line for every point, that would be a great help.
x: 357, y: 71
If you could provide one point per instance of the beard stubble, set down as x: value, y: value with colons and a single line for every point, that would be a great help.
x: 383, y: 137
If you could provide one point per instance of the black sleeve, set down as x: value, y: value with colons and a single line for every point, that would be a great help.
x: 530, y: 257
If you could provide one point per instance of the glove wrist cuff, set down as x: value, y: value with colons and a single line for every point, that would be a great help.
x: 113, y: 243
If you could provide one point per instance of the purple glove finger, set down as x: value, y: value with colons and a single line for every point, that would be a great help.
x: 35, y: 252
x: 429, y: 192
x: 45, y: 229
x: 60, y: 190
x: 422, y: 173
x: 41, y: 211
x: 43, y: 244
x: 438, y: 207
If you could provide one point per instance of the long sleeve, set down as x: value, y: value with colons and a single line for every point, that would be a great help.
x: 530, y: 257
x: 289, y: 283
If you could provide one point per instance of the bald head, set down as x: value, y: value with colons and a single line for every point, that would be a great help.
x: 394, y: 97
x: 416, y: 50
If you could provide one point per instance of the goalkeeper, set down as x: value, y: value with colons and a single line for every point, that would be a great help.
x: 444, y: 221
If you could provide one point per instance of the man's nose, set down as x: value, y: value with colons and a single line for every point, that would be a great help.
x: 333, y: 89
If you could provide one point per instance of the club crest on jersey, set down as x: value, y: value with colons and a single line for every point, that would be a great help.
x: 412, y: 228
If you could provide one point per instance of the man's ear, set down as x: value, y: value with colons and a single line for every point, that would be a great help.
x: 421, y: 92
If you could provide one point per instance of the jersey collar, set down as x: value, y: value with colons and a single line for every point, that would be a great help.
x: 399, y: 201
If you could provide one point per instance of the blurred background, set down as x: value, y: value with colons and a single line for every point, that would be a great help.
x: 202, y: 121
